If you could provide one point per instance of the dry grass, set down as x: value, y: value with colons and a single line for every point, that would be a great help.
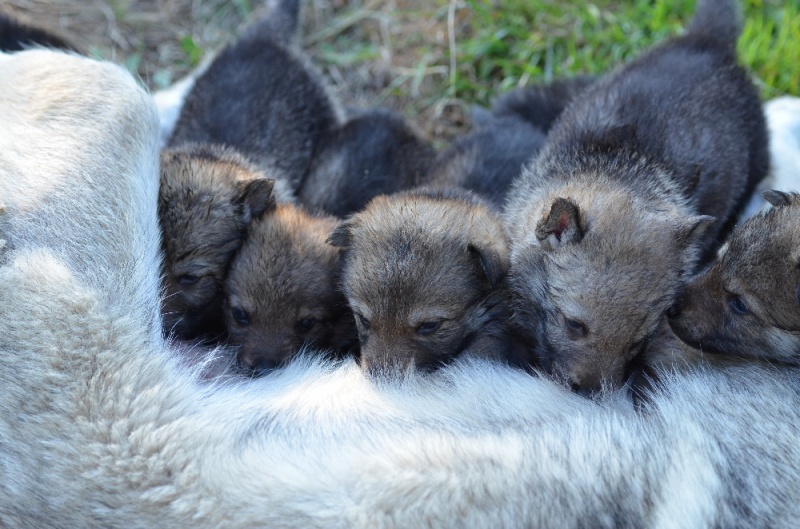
x: 397, y: 53
x: 386, y: 52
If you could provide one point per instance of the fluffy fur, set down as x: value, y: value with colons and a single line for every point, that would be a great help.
x: 748, y: 302
x: 101, y: 427
x: 424, y: 272
x: 639, y: 179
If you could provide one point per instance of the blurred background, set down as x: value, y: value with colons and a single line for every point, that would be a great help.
x: 431, y: 59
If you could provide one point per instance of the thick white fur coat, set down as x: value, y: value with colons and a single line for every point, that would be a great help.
x: 101, y: 426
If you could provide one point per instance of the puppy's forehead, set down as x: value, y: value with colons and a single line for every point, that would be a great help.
x: 285, y: 257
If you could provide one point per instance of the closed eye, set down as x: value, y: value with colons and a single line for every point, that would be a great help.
x: 575, y: 329
x: 240, y: 316
x: 738, y: 306
x: 428, y: 327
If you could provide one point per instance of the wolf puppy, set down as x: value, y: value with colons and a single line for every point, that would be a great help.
x: 638, y: 178
x: 748, y: 302
x: 281, y: 292
x: 424, y: 272
x: 375, y: 152
x: 207, y: 197
x: 489, y: 159
x: 261, y: 96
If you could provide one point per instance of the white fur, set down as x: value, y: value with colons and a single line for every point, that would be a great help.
x: 783, y: 122
x: 100, y: 426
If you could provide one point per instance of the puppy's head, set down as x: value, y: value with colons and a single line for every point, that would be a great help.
x: 424, y: 274
x: 207, y: 198
x: 592, y: 277
x: 282, y: 291
x: 748, y: 302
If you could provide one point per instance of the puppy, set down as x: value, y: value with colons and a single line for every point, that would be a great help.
x: 424, y: 272
x: 489, y: 159
x: 281, y: 292
x: 375, y: 152
x: 16, y: 35
x: 640, y: 177
x: 207, y: 197
x: 748, y: 302
x: 261, y: 96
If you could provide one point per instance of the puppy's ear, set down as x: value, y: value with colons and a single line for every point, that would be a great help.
x: 691, y: 230
x: 561, y: 226
x: 493, y: 263
x: 341, y: 236
x: 779, y: 198
x: 256, y: 197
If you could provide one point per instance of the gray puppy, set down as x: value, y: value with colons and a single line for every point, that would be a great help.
x: 639, y: 179
x: 748, y: 302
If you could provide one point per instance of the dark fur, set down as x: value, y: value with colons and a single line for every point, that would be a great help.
x: 747, y: 303
x: 424, y: 272
x: 16, y: 35
x: 375, y: 152
x: 207, y: 198
x: 541, y: 105
x: 261, y: 96
x: 284, y: 280
x: 677, y: 133
x: 489, y: 159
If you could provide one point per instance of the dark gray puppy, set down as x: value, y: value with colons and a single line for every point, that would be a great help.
x: 376, y: 152
x: 638, y: 179
x: 261, y: 96
x: 16, y: 35
x: 489, y: 159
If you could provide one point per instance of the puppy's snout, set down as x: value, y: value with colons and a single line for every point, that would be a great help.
x: 256, y: 367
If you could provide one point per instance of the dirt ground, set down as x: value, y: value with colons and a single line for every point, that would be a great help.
x: 373, y: 52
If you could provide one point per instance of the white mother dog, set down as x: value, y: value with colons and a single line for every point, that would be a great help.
x: 100, y: 426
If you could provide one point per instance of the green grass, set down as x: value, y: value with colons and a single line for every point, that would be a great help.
x: 541, y: 40
x: 503, y: 45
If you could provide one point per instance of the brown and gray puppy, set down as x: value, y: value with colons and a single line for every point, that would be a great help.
x: 282, y: 291
x: 638, y: 180
x: 424, y: 272
x: 207, y: 198
x: 748, y: 302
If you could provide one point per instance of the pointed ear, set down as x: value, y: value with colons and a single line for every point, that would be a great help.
x: 341, y: 236
x: 256, y: 197
x: 561, y: 226
x: 493, y: 261
x: 691, y: 230
x: 779, y: 198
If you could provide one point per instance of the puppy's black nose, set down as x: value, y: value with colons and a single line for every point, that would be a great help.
x: 265, y: 367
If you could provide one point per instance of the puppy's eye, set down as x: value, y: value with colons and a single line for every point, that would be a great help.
x: 428, y: 327
x: 737, y: 306
x: 363, y: 321
x: 575, y: 328
x: 306, y: 324
x: 240, y: 316
x: 188, y: 279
